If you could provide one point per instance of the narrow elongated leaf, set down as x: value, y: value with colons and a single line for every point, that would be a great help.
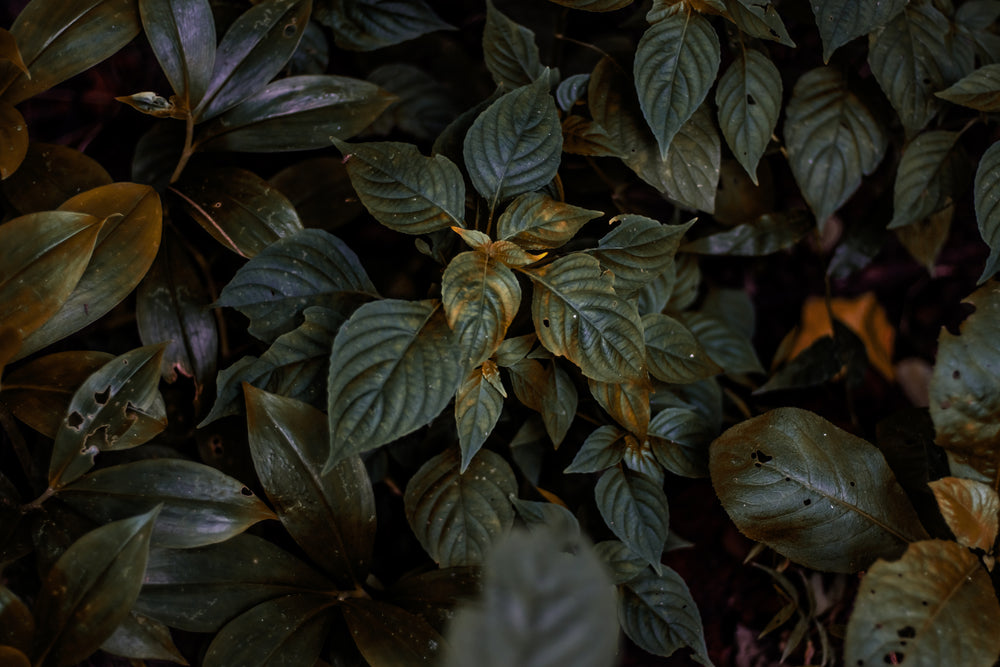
x: 602, y: 449
x: 509, y: 50
x: 675, y: 65
x: 626, y: 402
x: 536, y: 221
x: 970, y: 509
x: 840, y: 21
x: 832, y: 140
x: 310, y: 268
x: 49, y: 175
x: 297, y: 113
x: 578, y: 315
x: 638, y: 250
x: 182, y: 35
x: 404, y: 190
x: 515, y: 145
x: 367, y: 25
x: 142, y: 638
x: 728, y: 347
x: 987, y: 198
x: 917, y: 608
x: 90, y: 589
x: 768, y: 234
x: 255, y: 48
x: 387, y: 635
x: 393, y: 368
x: 331, y: 516
x: 634, y: 507
x: 673, y: 353
x: 693, y: 163
x: 9, y: 51
x: 238, y: 208
x: 930, y: 172
x: 658, y: 613
x: 594, y: 5
x: 13, y: 139
x: 749, y: 99
x: 980, y: 90
x: 478, y: 404
x: 459, y: 516
x: 812, y: 492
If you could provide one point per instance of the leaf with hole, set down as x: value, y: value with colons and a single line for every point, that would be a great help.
x: 970, y: 509
x: 509, y: 50
x: 478, y: 404
x: 987, y: 201
x: 634, y: 507
x: 367, y: 25
x: 536, y: 221
x: 841, y: 21
x: 931, y: 172
x: 749, y: 100
x: 637, y: 250
x: 182, y: 36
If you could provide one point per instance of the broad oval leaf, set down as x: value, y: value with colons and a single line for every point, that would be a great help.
x: 970, y: 509
x: 586, y: 137
x: 310, y: 268
x: 619, y: 561
x: 635, y: 508
x: 812, y: 492
x: 90, y: 589
x: 658, y: 613
x: 367, y: 25
x: 768, y: 234
x: 693, y: 163
x: 393, y: 368
x: 459, y: 516
x: 238, y: 208
x: 637, y: 250
x: 679, y: 439
x: 920, y: 608
x: 728, y: 347
x: 594, y: 5
x: 388, y: 636
x: 143, y: 638
x: 987, y: 198
x: 626, y: 402
x: 931, y: 171
x: 404, y: 190
x: 536, y: 221
x: 13, y: 139
x: 675, y: 65
x: 515, y: 145
x: 548, y: 389
x: 832, y: 140
x: 297, y: 113
x: 759, y: 18
x: 331, y: 516
x: 49, y: 175
x: 200, y: 504
x: 749, y: 99
x: 182, y: 36
x: 423, y: 106
x: 673, y: 354
x: 603, y: 448
x: 478, y: 404
x: 509, y: 50
x: 578, y: 315
x: 840, y: 21
x: 979, y: 90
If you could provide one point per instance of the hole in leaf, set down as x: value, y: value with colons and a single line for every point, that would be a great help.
x: 893, y: 658
x: 853, y: 484
x: 750, y: 100
x: 215, y: 444
x: 956, y: 374
x: 807, y: 502
x: 761, y: 456
x: 774, y: 33
x: 545, y: 322
x: 909, y: 632
x: 74, y: 420
x: 923, y: 602
x: 101, y: 397
x: 246, y: 491
x: 289, y: 29
x: 788, y: 479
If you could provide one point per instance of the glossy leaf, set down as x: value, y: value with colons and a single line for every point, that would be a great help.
x: 729, y: 348
x: 759, y: 18
x: 673, y: 353
x: 331, y: 516
x: 693, y: 163
x: 979, y: 90
x: 515, y: 145
x: 9, y: 51
x: 536, y: 221
x: 457, y: 517
x: 970, y: 509
x: 255, y: 48
x: 930, y: 172
x: 657, y: 612
x: 679, y: 439
x: 387, y: 635
x: 570, y: 90
x: 987, y: 199
x: 603, y: 448
x: 921, y: 607
x: 634, y: 507
x: 49, y: 175
x: 310, y: 268
x: 578, y: 315
x: 812, y: 492
x: 238, y: 208
x: 13, y: 139
x: 832, y: 140
x: 675, y: 65
x: 182, y: 36
x: 367, y: 25
x: 638, y: 250
x: 509, y: 50
x: 478, y: 404
x: 142, y: 638
x: 117, y: 407
x: 768, y: 234
x: 90, y: 589
x: 541, y: 607
x: 626, y: 402
x: 594, y: 5
x: 749, y: 100
x: 297, y: 113
x: 840, y: 21
x: 404, y: 190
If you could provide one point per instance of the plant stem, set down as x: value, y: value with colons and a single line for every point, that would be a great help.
x: 188, y: 148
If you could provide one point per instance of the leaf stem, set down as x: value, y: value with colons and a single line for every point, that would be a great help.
x: 188, y: 148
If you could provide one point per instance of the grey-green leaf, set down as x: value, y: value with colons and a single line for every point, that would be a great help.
x: 603, y: 448
x: 749, y: 99
x: 478, y: 404
x: 840, y: 21
x: 673, y: 353
x: 658, y: 613
x: 182, y: 36
x: 987, y: 200
x: 768, y: 234
x: 536, y: 221
x: 509, y: 50
x: 930, y: 173
x: 638, y: 250
x: 367, y: 25
x: 728, y: 347
x: 693, y: 163
x: 634, y: 507
x: 979, y: 90
x: 759, y: 18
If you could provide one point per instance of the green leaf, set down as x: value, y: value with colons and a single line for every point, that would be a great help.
x: 970, y: 509
x: 679, y: 438
x: 919, y: 610
x: 536, y: 221
x: 987, y: 198
x: 13, y: 139
x: 618, y: 559
x: 673, y: 353
x: 832, y: 140
x: 237, y: 207
x: 541, y: 607
x: 552, y: 519
x: 634, y: 507
x: 282, y: 631
x: 459, y: 516
x: 142, y: 638
x: 693, y: 163
x: 17, y: 625
x: 312, y: 184
x: 931, y: 171
x: 603, y: 448
x: 658, y: 613
x: 594, y: 5
x: 432, y: 595
x: 626, y: 402
x: 478, y: 404
x: 396, y: 368
x: 675, y: 65
x: 202, y: 589
x: 759, y: 18
x: 59, y: 40
x: 638, y: 250
x: 547, y: 389
x: 90, y: 589
x: 182, y: 36
x: 423, y: 107
x: 768, y: 234
x: 570, y: 90
x: 509, y: 50
x: 979, y: 90
x: 255, y: 48
x: 515, y: 145
x: 49, y: 175
x: 310, y: 268
x: 812, y: 492
x: 729, y: 348
x: 840, y: 21
x: 367, y: 25
x: 749, y: 99
x: 200, y: 504
x: 331, y: 516
x: 404, y: 190
x: 297, y: 113
x: 578, y: 315
x: 117, y: 407
x: 388, y: 636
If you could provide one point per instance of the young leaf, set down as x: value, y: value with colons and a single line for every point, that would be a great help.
x: 673, y: 353
x: 143, y: 638
x: 635, y: 509
x: 626, y: 402
x: 459, y: 516
x: 728, y: 347
x: 970, y: 509
x: 393, y: 368
x: 759, y: 18
x: 515, y: 145
x: 679, y: 438
x: 570, y: 90
x: 478, y: 404
x: 182, y: 35
x: 13, y: 139
x: 840, y: 21
x: 367, y: 25
x: 768, y: 234
x: 812, y: 492
x: 638, y: 250
x: 987, y: 198
x: 578, y: 315
x: 49, y: 175
x: 919, y: 609
x: 90, y: 589
x: 693, y: 163
x: 832, y: 140
x: 979, y: 90
x: 509, y: 50
x: 331, y: 516
x: 675, y: 65
x: 658, y: 613
x: 749, y: 99
x: 603, y: 448
x: 387, y: 635
x: 536, y: 221
x: 931, y: 171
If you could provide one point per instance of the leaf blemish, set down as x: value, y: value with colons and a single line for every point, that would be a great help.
x: 74, y: 421
x: 101, y: 397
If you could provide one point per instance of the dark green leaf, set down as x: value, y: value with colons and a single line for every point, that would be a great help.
x: 310, y: 268
x: 931, y: 171
x: 143, y: 638
x: 570, y: 90
x: 548, y: 389
x: 17, y: 625
x: 693, y: 163
x: 679, y: 438
x: 515, y: 145
x: 313, y: 186
x: 182, y: 36
x: 585, y: 137
x: 424, y: 105
x: 818, y: 363
x: 987, y: 210
x: 635, y: 509
x: 620, y: 561
x: 840, y: 21
x: 832, y: 140
x: 603, y: 448
x: 432, y: 594
x: 478, y: 404
x: 768, y: 234
x: 672, y: 352
x: 925, y: 239
x: 458, y: 516
x: 536, y: 221
x: 90, y: 589
x: 388, y: 636
x: 594, y: 5
x: 979, y: 90
x: 729, y: 348
x: 626, y: 402
x: 812, y: 492
x: 759, y: 18
x: 367, y: 25
x: 658, y: 613
x: 638, y: 250
x: 552, y: 519
x: 49, y: 175
x: 749, y: 99
x: 509, y: 50
x: 675, y: 65
x: 13, y: 139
